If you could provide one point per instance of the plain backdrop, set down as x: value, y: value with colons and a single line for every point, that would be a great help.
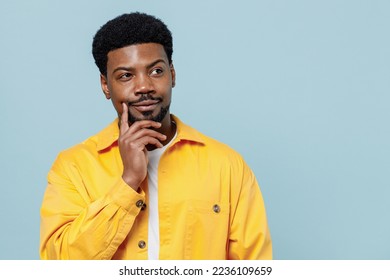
x: 299, y: 88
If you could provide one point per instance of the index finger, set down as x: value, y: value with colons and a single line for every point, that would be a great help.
x: 124, y: 124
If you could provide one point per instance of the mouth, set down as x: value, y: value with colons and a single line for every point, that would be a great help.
x: 145, y: 106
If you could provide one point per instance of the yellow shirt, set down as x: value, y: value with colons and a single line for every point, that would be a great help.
x: 209, y: 203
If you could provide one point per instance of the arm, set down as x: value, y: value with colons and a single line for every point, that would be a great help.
x: 75, y: 227
x: 249, y: 234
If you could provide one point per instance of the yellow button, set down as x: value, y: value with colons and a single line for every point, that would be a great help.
x: 142, y: 244
x: 139, y: 203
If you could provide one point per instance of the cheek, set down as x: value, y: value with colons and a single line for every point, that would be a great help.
x: 119, y: 94
x: 117, y: 101
x: 117, y: 106
x: 164, y: 89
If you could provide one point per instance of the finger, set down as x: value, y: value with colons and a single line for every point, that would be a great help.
x: 148, y: 140
x: 141, y: 143
x: 124, y: 124
x: 139, y: 126
x: 145, y: 124
x: 144, y: 132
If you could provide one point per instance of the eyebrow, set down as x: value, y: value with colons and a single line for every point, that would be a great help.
x: 150, y: 65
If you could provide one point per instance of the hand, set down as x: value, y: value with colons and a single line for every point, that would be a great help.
x: 132, y: 144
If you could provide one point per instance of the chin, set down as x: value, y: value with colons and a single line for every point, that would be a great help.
x: 150, y: 115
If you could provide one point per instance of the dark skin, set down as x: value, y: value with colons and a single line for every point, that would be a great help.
x: 139, y: 83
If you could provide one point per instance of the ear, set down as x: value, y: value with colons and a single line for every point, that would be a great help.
x: 104, y: 85
x: 173, y: 74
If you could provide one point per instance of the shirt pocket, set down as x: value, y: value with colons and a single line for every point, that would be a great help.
x: 207, y: 227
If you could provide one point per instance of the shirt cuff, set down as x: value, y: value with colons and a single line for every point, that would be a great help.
x: 126, y: 197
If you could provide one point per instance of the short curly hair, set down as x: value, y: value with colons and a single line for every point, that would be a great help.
x: 126, y: 30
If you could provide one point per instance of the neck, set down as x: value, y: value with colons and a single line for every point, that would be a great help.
x: 167, y: 128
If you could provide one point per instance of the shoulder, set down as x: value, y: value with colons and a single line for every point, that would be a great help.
x: 215, y: 149
x: 223, y: 153
x: 219, y: 146
x: 91, y: 146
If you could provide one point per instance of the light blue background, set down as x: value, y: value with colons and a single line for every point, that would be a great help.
x: 299, y: 88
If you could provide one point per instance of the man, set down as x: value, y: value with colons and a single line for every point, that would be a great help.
x: 148, y: 186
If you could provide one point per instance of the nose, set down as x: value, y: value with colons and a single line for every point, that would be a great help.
x: 143, y: 85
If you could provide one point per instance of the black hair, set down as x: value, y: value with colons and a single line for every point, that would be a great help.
x: 126, y: 30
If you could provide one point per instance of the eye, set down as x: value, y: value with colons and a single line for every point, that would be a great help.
x: 125, y: 76
x: 156, y: 72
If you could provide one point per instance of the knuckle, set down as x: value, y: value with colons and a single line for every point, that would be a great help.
x: 133, y: 145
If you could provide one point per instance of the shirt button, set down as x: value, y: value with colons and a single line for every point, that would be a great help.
x: 143, y: 207
x: 216, y: 208
x: 139, y: 203
x: 142, y: 244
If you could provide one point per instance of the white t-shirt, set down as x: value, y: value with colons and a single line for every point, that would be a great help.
x: 153, y: 231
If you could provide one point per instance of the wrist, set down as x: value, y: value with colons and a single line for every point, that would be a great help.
x: 131, y: 182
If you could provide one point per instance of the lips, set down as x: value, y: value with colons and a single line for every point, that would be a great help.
x: 146, y: 105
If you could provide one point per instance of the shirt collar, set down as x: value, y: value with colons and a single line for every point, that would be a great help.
x: 109, y: 136
x: 186, y: 133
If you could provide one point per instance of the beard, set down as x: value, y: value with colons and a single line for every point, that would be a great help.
x: 149, y: 115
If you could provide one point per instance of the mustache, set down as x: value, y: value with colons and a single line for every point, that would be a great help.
x: 145, y: 97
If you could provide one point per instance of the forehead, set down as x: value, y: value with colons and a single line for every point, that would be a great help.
x: 136, y: 55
